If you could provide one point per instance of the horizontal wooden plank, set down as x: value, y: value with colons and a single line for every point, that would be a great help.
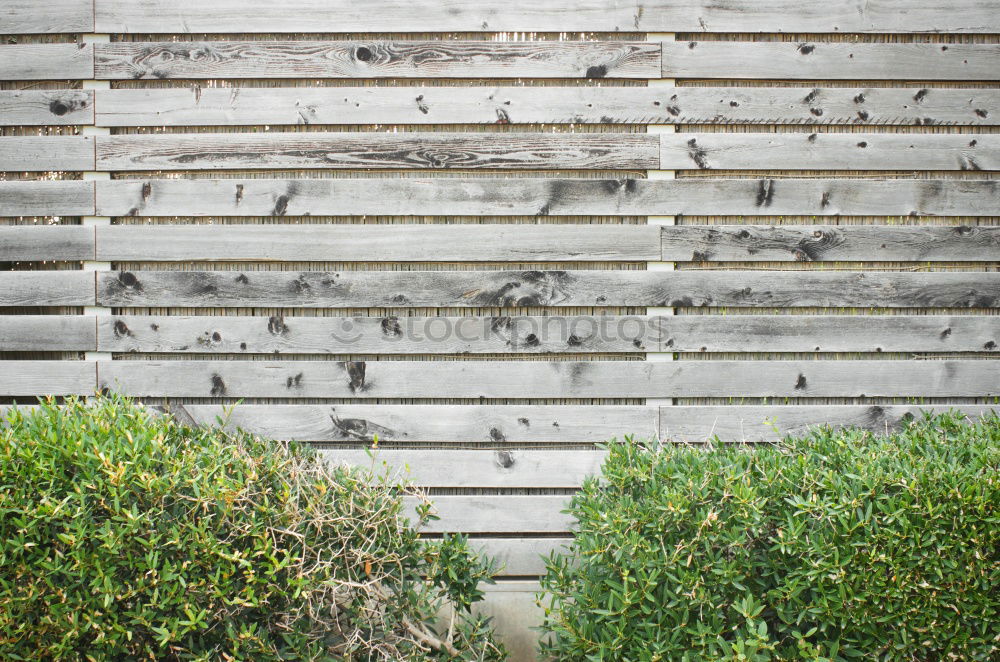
x: 46, y: 242
x: 815, y: 243
x: 36, y: 378
x: 682, y: 289
x: 165, y: 16
x: 46, y: 107
x: 379, y: 243
x: 830, y: 61
x: 555, y: 379
x: 51, y: 16
x: 497, y: 514
x: 830, y: 151
x: 46, y: 153
x: 46, y: 288
x: 554, y: 197
x: 42, y: 333
x: 519, y: 557
x: 376, y: 150
x: 46, y: 198
x: 548, y: 105
x: 46, y: 62
x: 547, y: 334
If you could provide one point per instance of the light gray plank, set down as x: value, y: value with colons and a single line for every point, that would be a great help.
x: 46, y: 243
x: 680, y: 289
x: 379, y: 243
x: 35, y: 378
x: 165, y: 16
x: 554, y: 197
x: 46, y: 62
x: 41, y: 333
x: 817, y: 243
x: 519, y: 557
x: 46, y: 198
x: 547, y: 334
x: 555, y: 379
x: 33, y: 17
x: 46, y: 153
x: 770, y: 423
x: 830, y: 151
x: 376, y: 150
x: 377, y: 59
x: 497, y: 514
x: 46, y: 107
x: 550, y: 105
x: 429, y: 423
x: 515, y: 615
x: 46, y: 288
x: 830, y: 61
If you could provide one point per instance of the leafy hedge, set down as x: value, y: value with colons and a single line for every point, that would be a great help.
x: 125, y: 536
x: 836, y: 546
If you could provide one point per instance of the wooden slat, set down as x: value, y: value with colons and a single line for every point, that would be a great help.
x: 559, y: 379
x: 46, y: 153
x: 548, y: 105
x: 46, y: 62
x: 519, y: 557
x: 547, y: 288
x: 39, y: 333
x: 46, y: 242
x: 547, y: 334
x: 376, y: 150
x: 830, y: 151
x: 498, y: 514
x: 831, y: 61
x: 815, y: 243
x: 33, y: 17
x: 34, y: 378
x: 46, y: 288
x: 46, y: 107
x: 377, y: 59
x: 429, y: 423
x: 555, y: 197
x: 770, y: 423
x: 45, y: 198
x: 165, y: 16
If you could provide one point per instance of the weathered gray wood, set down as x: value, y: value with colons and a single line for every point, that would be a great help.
x: 34, y: 378
x: 46, y: 107
x: 165, y: 16
x: 815, y: 243
x: 515, y: 615
x: 46, y: 153
x: 46, y: 242
x: 46, y: 198
x: 40, y: 333
x: 377, y: 59
x: 830, y: 151
x: 547, y: 288
x: 770, y: 423
x: 33, y: 17
x: 831, y: 61
x: 376, y: 150
x: 547, y: 334
x: 46, y: 62
x: 549, y: 105
x: 497, y: 514
x: 556, y: 379
x: 46, y: 288
x: 555, y: 197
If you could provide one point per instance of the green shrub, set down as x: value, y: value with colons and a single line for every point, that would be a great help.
x: 837, y: 546
x: 126, y: 536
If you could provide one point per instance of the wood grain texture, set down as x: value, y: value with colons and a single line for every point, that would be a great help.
x: 379, y: 243
x: 497, y: 514
x: 46, y: 153
x: 830, y: 61
x: 519, y: 557
x: 46, y: 288
x: 24, y: 243
x: 42, y: 333
x: 681, y: 289
x: 46, y: 198
x: 163, y: 16
x: 37, y: 378
x: 556, y: 379
x: 51, y: 16
x: 549, y: 105
x: 552, y: 197
x: 830, y: 151
x: 46, y: 107
x: 46, y: 62
x: 817, y: 243
x: 376, y: 150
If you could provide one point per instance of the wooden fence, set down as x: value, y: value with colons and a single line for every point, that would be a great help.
x: 493, y: 235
